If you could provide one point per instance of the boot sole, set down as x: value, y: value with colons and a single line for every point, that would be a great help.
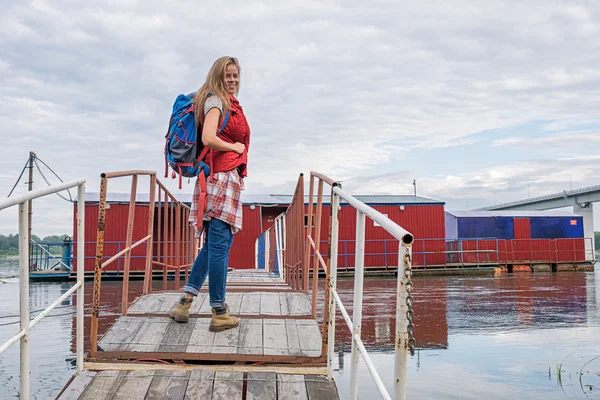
x: 177, y: 318
x: 222, y: 328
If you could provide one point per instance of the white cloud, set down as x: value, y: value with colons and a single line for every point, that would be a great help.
x: 331, y: 86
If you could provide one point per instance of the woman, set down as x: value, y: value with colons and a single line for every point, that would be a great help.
x: 223, y: 217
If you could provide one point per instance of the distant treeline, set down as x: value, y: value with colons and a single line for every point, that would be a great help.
x: 9, y: 245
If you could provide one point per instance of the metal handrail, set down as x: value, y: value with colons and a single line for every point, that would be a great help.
x: 332, y: 299
x: 25, y: 324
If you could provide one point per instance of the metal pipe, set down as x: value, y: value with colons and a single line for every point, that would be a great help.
x: 24, y: 297
x: 80, y: 274
x: 401, y: 342
x: 359, y: 271
x: 12, y: 201
x: 177, y: 244
x: 318, y: 244
x: 120, y: 174
x: 318, y: 254
x: 12, y: 341
x: 128, y: 240
x: 308, y: 232
x: 394, y: 229
x: 52, y: 306
x: 98, y: 267
x: 322, y: 177
x: 125, y: 250
x: 361, y: 347
x: 332, y: 278
x: 148, y: 266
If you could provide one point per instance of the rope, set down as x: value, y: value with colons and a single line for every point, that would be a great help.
x: 35, y: 160
x: 19, y: 179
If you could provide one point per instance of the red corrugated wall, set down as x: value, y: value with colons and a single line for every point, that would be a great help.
x: 423, y: 221
x: 115, y: 231
x: 242, y: 253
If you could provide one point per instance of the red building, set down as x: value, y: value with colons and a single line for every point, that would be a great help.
x: 423, y: 217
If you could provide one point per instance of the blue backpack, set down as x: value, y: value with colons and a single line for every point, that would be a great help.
x: 184, y: 150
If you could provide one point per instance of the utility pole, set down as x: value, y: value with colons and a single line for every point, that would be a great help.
x: 415, y: 185
x: 29, y: 189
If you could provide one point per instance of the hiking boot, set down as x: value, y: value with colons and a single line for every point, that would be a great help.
x: 222, y: 320
x: 181, y: 312
x: 215, y: 313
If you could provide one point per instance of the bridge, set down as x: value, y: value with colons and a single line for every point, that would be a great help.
x: 580, y: 199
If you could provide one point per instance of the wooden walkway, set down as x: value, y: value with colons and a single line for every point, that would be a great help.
x: 276, y: 330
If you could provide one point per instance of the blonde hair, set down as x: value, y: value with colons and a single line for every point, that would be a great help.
x: 215, y: 84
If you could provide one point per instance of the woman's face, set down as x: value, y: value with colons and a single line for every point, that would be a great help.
x: 232, y: 79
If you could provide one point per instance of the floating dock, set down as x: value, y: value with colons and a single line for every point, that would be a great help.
x: 275, y: 352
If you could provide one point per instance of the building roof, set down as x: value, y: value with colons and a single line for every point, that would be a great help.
x: 276, y: 199
x: 520, y: 213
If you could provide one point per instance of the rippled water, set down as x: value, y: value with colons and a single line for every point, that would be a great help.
x: 490, y: 337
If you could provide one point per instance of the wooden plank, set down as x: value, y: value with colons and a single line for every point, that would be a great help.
x: 250, y: 303
x: 77, y: 385
x: 291, y: 387
x: 292, y: 337
x: 103, y: 386
x: 177, y: 337
x: 201, y: 339
x: 205, y: 307
x: 283, y: 303
x: 149, y: 336
x: 251, y: 336
x: 269, y: 304
x: 121, y: 334
x: 200, y: 385
x: 261, y: 386
x: 170, y: 385
x: 309, y: 336
x: 142, y: 304
x: 319, y: 387
x: 234, y: 301
x: 228, y: 386
x: 299, y: 304
x: 226, y: 342
x: 134, y: 385
x: 166, y: 302
x: 274, y: 337
x: 198, y: 302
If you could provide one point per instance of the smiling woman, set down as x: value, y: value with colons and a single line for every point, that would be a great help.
x: 226, y: 133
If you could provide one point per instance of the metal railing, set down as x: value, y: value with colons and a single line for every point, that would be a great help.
x: 25, y: 324
x: 404, y: 333
x: 177, y: 244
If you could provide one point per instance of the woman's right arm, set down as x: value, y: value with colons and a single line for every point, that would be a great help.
x: 210, y: 138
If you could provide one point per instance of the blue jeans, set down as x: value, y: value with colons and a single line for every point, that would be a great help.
x: 212, y: 261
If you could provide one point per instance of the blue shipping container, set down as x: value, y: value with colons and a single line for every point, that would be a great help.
x: 556, y: 227
x: 486, y: 227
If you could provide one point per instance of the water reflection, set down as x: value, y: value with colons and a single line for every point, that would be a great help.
x: 492, y: 337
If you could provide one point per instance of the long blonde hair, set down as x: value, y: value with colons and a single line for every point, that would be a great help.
x: 215, y: 84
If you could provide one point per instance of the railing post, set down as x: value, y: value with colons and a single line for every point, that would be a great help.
x: 317, y: 241
x: 401, y: 342
x: 332, y: 278
x: 359, y: 270
x: 98, y: 267
x: 24, y: 297
x: 149, y: 246
x: 129, y: 239
x: 80, y: 272
x: 307, y: 246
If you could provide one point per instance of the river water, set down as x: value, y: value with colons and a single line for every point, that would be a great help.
x: 484, y: 337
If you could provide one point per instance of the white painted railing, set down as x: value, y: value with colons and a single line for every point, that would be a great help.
x: 331, y: 296
x: 354, y: 324
x: 26, y: 324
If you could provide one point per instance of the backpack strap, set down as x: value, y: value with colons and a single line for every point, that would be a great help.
x: 206, y: 149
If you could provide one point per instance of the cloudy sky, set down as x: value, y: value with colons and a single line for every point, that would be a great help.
x: 479, y: 101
